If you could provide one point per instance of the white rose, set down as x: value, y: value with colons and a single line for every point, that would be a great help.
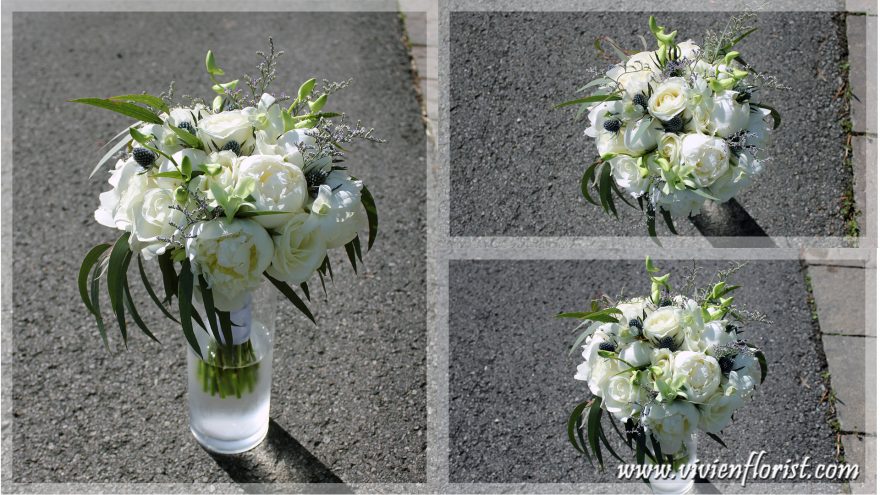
x: 591, y: 352
x: 266, y: 116
x: 701, y: 374
x: 622, y: 398
x: 280, y: 186
x: 633, y: 80
x: 669, y: 99
x: 129, y: 186
x: 638, y: 136
x: 728, y: 116
x: 662, y: 364
x: 338, y: 209
x: 602, y: 370
x: 152, y: 220
x: 665, y: 322
x: 632, y: 309
x: 709, y: 157
x: 669, y: 147
x: 672, y: 423
x: 215, y: 131
x: 628, y: 176
x: 224, y: 177
x: 637, y: 353
x: 717, y: 412
x: 299, y: 250
x: 232, y: 256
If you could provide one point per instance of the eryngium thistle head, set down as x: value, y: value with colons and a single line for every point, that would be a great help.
x: 726, y: 364
x: 143, y: 157
x: 607, y: 346
x: 665, y: 302
x: 232, y: 146
x: 612, y: 125
x: 667, y: 343
x: 640, y: 100
x: 675, y: 124
x: 314, y: 179
x: 186, y: 126
x: 636, y: 323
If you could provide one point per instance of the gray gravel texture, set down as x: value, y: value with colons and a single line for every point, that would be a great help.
x: 516, y: 164
x: 350, y: 391
x: 511, y: 386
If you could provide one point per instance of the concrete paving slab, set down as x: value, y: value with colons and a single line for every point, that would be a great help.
x: 511, y: 387
x: 862, y: 450
x: 863, y: 115
x: 840, y: 299
x: 350, y: 391
x: 847, y: 358
x: 516, y: 164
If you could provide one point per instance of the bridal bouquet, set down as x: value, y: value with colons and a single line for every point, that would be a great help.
x: 663, y: 367
x: 676, y: 126
x: 252, y: 187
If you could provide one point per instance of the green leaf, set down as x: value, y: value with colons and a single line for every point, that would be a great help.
x: 211, y: 65
x: 169, y: 275
x: 184, y: 301
x: 113, y: 149
x: 668, y: 219
x: 573, y: 421
x: 700, y: 192
x: 595, y: 82
x: 129, y: 303
x: 352, y: 257
x: 305, y: 288
x: 762, y: 361
x: 83, y: 278
x: 171, y: 174
x: 242, y: 213
x: 605, y: 190
x: 96, y: 304
x: 115, y: 280
x: 150, y: 100
x: 186, y: 137
x: 717, y: 439
x: 606, y: 443
x: 593, y: 426
x: 356, y: 242
x: 777, y: 119
x: 124, y: 108
x: 226, y: 326
x: 149, y: 287
x: 306, y: 89
x: 587, y: 181
x: 658, y: 453
x: 210, y: 311
x: 372, y: 215
x: 727, y: 47
x: 291, y: 295
x: 589, y: 99
x: 186, y: 166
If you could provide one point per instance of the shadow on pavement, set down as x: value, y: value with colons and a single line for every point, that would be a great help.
x: 279, y: 459
x: 730, y: 225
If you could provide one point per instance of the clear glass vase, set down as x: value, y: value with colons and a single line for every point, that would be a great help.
x: 678, y: 484
x: 229, y: 388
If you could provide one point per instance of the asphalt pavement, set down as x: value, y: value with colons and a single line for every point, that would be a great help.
x: 516, y: 164
x: 348, y: 394
x: 511, y: 385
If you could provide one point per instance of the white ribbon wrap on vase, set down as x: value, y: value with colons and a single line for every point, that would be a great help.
x: 242, y: 320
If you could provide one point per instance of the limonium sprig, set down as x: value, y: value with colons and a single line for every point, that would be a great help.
x: 676, y: 126
x: 251, y: 188
x: 662, y: 367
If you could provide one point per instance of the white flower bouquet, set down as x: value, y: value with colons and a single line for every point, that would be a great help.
x: 676, y: 126
x: 223, y: 197
x: 662, y: 368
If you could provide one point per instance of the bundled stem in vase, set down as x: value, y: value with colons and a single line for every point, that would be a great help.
x: 228, y: 371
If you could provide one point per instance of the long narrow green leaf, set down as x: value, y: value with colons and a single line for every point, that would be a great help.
x: 372, y: 215
x: 112, y: 149
x: 124, y: 108
x: 226, y: 326
x: 169, y: 275
x: 129, y: 303
x: 83, y: 278
x: 605, y: 190
x: 291, y: 295
x: 658, y: 453
x: 305, y: 288
x: 151, y: 292
x: 762, y: 361
x: 726, y: 48
x: 356, y: 242
x: 352, y: 257
x: 115, y: 280
x: 777, y: 118
x: 210, y: 311
x: 573, y: 421
x: 668, y: 219
x: 613, y: 422
x: 606, y: 443
x: 593, y: 425
x: 150, y: 100
x: 184, y: 301
x: 589, y: 99
x: 587, y: 181
x: 717, y: 439
x: 96, y: 304
x: 186, y: 137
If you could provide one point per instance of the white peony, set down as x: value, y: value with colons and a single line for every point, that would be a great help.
x: 680, y: 203
x: 338, y: 210
x: 152, y: 219
x: 299, y: 250
x: 638, y: 137
x: 628, y: 176
x: 591, y: 351
x: 217, y: 130
x: 637, y: 353
x: 759, y: 128
x: 280, y: 186
x: 728, y: 116
x: 701, y: 374
x: 717, y: 412
x: 672, y: 423
x: 665, y: 322
x: 709, y: 157
x: 689, y: 49
x: 714, y: 334
x: 632, y: 309
x: 223, y: 165
x: 232, y: 256
x: 669, y: 99
x: 129, y: 186
x: 746, y: 375
x: 287, y: 145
